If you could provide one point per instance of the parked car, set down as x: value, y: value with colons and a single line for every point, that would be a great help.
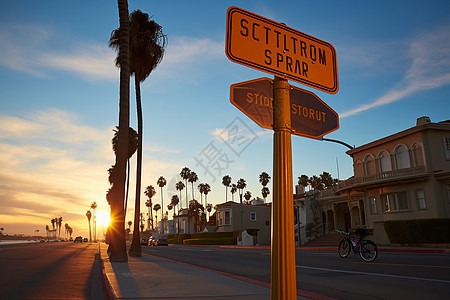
x: 85, y: 240
x: 78, y: 239
x: 144, y: 242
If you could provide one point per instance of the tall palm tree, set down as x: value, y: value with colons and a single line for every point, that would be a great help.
x: 94, y: 207
x: 117, y: 225
x: 200, y: 189
x: 59, y: 222
x: 193, y: 178
x: 156, y: 207
x: 206, y: 190
x: 264, y: 179
x: 175, y: 201
x: 180, y: 186
x: 226, y: 181
x: 162, y: 183
x: 88, y: 216
x: 185, y: 172
x: 147, y: 46
x: 233, y: 190
x: 241, y: 184
x: 326, y: 179
x: 132, y: 147
x: 265, y: 192
x: 150, y: 192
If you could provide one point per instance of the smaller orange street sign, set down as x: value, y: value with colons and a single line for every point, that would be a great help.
x: 272, y: 47
x: 310, y: 116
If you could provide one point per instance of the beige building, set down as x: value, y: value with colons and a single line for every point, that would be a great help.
x: 255, y: 217
x: 403, y: 176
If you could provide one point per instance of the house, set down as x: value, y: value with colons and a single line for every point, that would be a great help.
x: 405, y: 175
x: 255, y: 219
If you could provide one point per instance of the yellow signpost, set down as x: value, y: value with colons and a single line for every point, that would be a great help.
x: 272, y: 47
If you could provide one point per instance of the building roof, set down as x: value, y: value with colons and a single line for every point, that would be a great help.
x: 421, y: 126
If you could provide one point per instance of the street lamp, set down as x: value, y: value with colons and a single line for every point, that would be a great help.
x: 336, y: 141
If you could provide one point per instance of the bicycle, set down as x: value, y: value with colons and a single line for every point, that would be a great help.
x: 356, y: 241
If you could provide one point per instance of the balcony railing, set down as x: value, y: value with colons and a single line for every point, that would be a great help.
x: 389, y: 175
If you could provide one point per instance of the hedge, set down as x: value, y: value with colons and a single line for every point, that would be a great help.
x: 418, y: 231
x: 212, y: 241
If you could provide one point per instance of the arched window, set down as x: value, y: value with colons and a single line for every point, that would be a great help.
x: 369, y: 165
x: 384, y: 160
x: 417, y: 155
x: 402, y: 157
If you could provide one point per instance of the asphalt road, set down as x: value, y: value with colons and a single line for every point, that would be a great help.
x: 390, y: 276
x: 64, y: 270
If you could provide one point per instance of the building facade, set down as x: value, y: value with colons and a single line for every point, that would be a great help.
x: 402, y: 176
x: 255, y: 217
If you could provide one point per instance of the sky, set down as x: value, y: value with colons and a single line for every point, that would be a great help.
x: 59, y: 91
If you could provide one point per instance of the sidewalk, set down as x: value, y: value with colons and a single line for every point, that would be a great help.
x: 150, y: 277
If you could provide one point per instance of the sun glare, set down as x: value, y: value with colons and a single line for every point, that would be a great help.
x: 102, y: 218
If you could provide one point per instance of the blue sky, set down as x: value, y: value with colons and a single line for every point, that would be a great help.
x: 59, y: 96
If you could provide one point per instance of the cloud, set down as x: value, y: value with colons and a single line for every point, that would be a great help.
x: 25, y: 48
x: 429, y: 69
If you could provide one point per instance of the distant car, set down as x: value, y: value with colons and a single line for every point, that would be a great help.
x: 160, y: 241
x: 85, y: 240
x: 78, y: 239
x: 144, y: 241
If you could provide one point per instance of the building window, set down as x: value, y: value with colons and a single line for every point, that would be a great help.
x: 385, y: 161
x: 227, y: 218
x: 420, y: 196
x: 224, y: 217
x: 368, y: 165
x: 395, y: 202
x: 253, y: 216
x: 447, y: 146
x: 373, y: 205
x: 402, y: 157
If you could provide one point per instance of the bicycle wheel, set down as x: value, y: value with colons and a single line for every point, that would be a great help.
x: 344, y: 248
x: 368, y: 251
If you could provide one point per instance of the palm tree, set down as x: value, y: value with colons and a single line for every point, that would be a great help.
x: 226, y: 181
x: 233, y: 190
x: 156, y: 207
x: 247, y: 196
x: 149, y: 192
x: 142, y: 221
x: 117, y: 224
x: 59, y: 223
x: 161, y: 183
x: 265, y: 192
x: 88, y: 216
x: 196, y: 210
x: 264, y: 179
x: 94, y: 207
x: 200, y: 188
x: 147, y: 43
x: 132, y: 147
x: 303, y: 180
x: 206, y: 190
x: 174, y: 202
x: 185, y: 172
x: 316, y: 183
x: 180, y: 186
x: 326, y: 179
x: 193, y: 178
x: 241, y: 184
x: 209, y: 207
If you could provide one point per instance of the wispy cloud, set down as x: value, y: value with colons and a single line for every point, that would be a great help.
x: 26, y: 49
x: 429, y: 69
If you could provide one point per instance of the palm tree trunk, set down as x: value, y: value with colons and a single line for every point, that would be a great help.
x: 118, y: 246
x: 128, y: 188
x: 135, y: 248
x: 162, y: 211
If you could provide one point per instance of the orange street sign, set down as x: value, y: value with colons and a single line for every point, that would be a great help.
x: 272, y: 47
x: 310, y: 116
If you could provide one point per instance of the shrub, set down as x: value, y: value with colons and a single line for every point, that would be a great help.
x: 418, y: 231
